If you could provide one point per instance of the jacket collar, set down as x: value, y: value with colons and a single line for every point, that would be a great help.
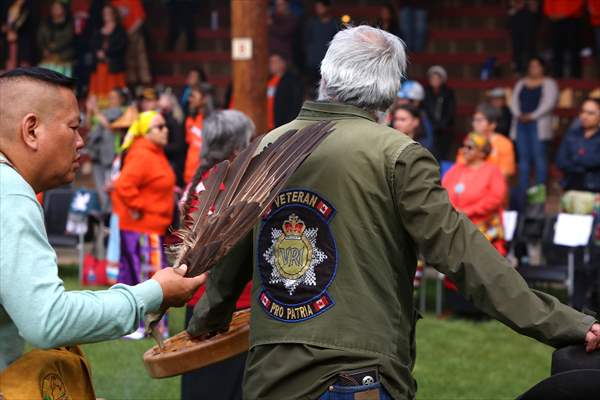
x: 319, y: 110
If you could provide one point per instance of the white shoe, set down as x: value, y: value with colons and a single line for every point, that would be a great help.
x: 136, y: 335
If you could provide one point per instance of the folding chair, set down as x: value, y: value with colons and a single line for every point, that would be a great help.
x: 560, y: 250
x: 56, y: 210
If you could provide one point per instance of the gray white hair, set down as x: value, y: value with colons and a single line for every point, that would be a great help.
x: 224, y: 133
x: 363, y: 67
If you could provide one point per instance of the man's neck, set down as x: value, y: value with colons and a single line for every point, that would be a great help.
x: 14, y: 164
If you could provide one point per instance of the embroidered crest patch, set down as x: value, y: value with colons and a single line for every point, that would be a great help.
x: 297, y: 256
x: 53, y: 388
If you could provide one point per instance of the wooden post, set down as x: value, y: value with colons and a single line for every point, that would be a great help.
x: 249, y: 45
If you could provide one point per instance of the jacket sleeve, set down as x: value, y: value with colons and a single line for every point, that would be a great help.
x: 132, y: 177
x: 548, y: 100
x: 34, y: 296
x: 590, y: 160
x: 515, y: 104
x: 117, y: 43
x: 507, y: 159
x: 564, y: 158
x: 225, y: 284
x: 452, y: 245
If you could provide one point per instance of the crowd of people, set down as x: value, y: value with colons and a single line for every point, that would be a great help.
x: 151, y: 148
x: 511, y: 136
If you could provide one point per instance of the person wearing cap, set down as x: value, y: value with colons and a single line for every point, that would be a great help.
x: 333, y: 259
x: 497, y: 99
x: 148, y: 99
x: 412, y: 93
x: 440, y: 106
x: 143, y: 198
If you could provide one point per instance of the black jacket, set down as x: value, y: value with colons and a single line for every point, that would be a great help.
x: 440, y: 108
x: 288, y: 98
x: 115, y: 50
x: 176, y: 148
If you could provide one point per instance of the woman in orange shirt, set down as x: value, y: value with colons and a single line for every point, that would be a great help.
x: 477, y: 188
x: 143, y: 198
x: 200, y: 106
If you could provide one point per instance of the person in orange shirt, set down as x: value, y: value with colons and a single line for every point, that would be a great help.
x: 200, y: 106
x: 143, y: 198
x: 476, y: 188
x: 502, y: 151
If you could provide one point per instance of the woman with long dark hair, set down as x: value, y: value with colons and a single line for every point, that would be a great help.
x: 110, y: 45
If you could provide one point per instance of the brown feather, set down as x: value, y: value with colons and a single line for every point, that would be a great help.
x: 251, y: 183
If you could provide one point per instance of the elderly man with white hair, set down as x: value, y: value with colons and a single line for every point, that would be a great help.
x: 333, y: 260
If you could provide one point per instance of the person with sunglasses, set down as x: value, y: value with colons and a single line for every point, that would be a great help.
x: 143, y: 199
x: 477, y: 188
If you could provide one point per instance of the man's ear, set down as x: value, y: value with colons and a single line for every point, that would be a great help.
x: 29, y: 130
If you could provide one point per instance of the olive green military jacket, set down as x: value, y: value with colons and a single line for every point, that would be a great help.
x: 333, y: 262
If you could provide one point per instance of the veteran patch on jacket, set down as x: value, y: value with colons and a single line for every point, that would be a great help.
x: 297, y: 256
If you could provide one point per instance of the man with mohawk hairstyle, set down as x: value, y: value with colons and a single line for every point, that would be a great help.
x: 332, y: 302
x: 39, y: 150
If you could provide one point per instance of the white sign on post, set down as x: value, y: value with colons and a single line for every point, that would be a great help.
x: 573, y: 230
x: 241, y: 49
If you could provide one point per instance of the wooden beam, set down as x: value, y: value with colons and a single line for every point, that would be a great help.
x: 250, y: 74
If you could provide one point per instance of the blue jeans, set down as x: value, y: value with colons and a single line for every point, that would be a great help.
x: 532, y: 151
x: 347, y: 392
x: 413, y: 27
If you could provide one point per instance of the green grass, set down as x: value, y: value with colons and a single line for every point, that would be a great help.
x: 456, y: 359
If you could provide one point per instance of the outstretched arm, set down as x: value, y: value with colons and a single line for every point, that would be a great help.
x: 452, y: 245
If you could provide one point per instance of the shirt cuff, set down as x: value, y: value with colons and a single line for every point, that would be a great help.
x: 149, y: 293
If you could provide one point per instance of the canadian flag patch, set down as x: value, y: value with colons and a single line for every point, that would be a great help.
x: 324, y: 209
x: 321, y: 303
x: 265, y: 300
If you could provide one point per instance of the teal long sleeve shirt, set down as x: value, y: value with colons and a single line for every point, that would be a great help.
x: 34, y: 305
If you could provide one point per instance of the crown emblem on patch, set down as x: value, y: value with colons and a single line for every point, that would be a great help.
x: 293, y: 227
